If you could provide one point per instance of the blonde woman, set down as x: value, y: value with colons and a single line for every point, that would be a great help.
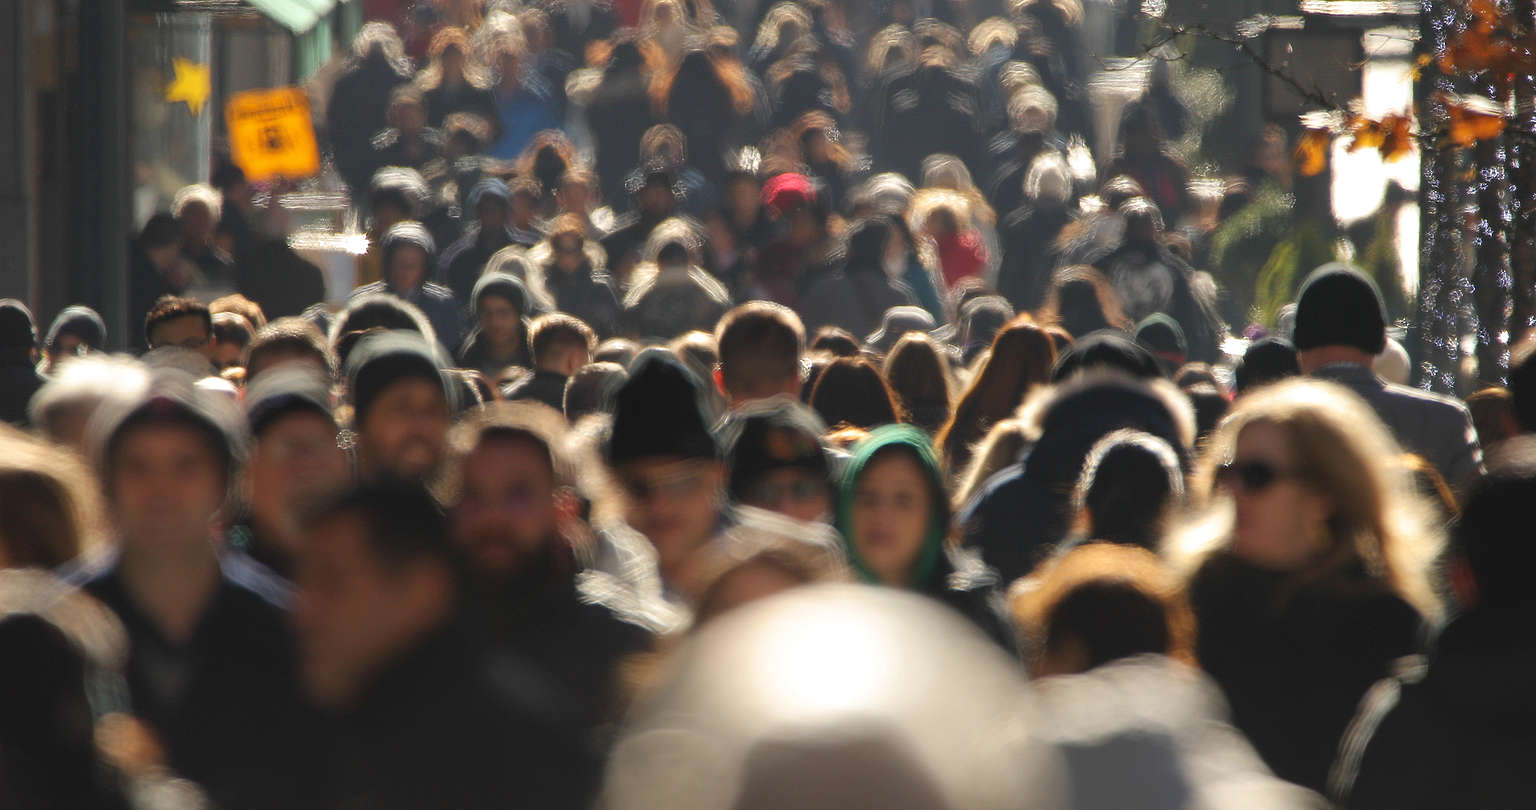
x: 1308, y: 567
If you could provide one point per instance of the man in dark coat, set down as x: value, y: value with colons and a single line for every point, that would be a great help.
x: 1455, y: 728
x: 426, y: 715
x: 858, y: 294
x: 562, y: 344
x: 19, y: 379
x: 930, y: 109
x: 512, y: 516
x: 360, y: 102
x: 211, y: 666
x: 463, y: 261
x: 406, y: 253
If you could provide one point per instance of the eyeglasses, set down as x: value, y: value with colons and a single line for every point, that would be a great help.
x: 1251, y: 476
x: 675, y: 486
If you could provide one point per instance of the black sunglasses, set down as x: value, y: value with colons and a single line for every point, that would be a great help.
x: 1252, y: 476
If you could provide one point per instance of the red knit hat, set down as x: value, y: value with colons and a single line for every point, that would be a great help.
x: 786, y: 192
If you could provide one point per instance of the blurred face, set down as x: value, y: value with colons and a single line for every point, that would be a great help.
x: 499, y: 322
x: 226, y: 354
x: 355, y: 615
x: 569, y: 256
x: 294, y: 464
x: 188, y: 332
x: 506, y: 510
x: 521, y: 213
x: 793, y: 492
x: 745, y: 197
x: 66, y: 346
x: 387, y: 216
x: 574, y: 197
x: 511, y: 68
x: 408, y: 268
x: 656, y: 200
x: 409, y: 117
x: 167, y: 486
x: 803, y: 228
x: 1280, y: 519
x: 197, y: 224
x: 675, y: 504
x: 453, y: 64
x: 405, y: 429
x: 891, y: 511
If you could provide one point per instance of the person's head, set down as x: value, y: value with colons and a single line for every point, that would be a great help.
x: 62, y: 409
x: 490, y: 200
x: 407, y: 111
x: 396, y: 194
x: 1307, y: 470
x: 197, y: 208
x: 835, y: 341
x: 577, y: 192
x: 18, y: 333
x: 167, y: 461
x: 760, y: 345
x: 592, y: 389
x: 1211, y: 406
x: 1493, y: 416
x: 1131, y: 482
x: 49, y: 507
x: 1099, y: 603
x: 892, y: 509
x: 1080, y: 299
x: 655, y: 196
x: 508, y: 482
x: 401, y: 406
x: 1266, y: 361
x: 1049, y: 181
x: 897, y: 321
x: 567, y: 243
x: 981, y: 318
x: 1340, y: 317
x: 1106, y: 349
x: 284, y: 341
x: 616, y: 350
x: 500, y: 303
x: 406, y: 253
x: 160, y: 239
x: 1491, y: 556
x: 231, y: 334
x: 449, y: 51
x: 295, y: 458
x: 665, y: 460
x: 1021, y: 358
x: 1522, y: 384
x: 1164, y: 338
x: 376, y: 574
x: 852, y: 392
x: 523, y: 203
x: 732, y: 578
x: 183, y: 322
x: 777, y: 462
x: 561, y: 343
x: 75, y: 331
x: 918, y: 373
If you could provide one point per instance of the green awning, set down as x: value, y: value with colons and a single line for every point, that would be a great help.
x: 297, y: 16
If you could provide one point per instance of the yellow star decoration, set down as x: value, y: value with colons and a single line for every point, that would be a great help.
x: 191, y: 85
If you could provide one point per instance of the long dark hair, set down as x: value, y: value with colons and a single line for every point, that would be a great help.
x: 1081, y: 300
x: 918, y: 373
x: 864, y: 248
x: 1021, y: 358
x: 851, y: 392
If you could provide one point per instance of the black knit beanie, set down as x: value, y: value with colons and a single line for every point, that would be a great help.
x: 380, y: 360
x: 657, y: 413
x: 1340, y: 306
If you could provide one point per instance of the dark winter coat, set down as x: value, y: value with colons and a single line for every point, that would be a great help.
x: 449, y: 724
x: 547, y: 387
x: 357, y: 110
x: 19, y: 380
x: 675, y: 301
x: 1295, y: 660
x: 1149, y: 278
x: 586, y: 293
x: 434, y: 300
x: 924, y: 111
x: 1029, y: 254
x: 1025, y: 509
x: 1455, y: 729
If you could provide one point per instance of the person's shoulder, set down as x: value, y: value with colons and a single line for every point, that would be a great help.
x: 434, y: 291
x: 1429, y: 401
x: 372, y: 288
x: 1000, y: 483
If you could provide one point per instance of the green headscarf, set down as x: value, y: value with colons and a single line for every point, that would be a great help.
x: 918, y: 447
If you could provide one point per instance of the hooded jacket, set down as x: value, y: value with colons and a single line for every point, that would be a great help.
x: 946, y: 574
x: 858, y: 295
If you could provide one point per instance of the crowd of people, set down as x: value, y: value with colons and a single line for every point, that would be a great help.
x: 700, y: 433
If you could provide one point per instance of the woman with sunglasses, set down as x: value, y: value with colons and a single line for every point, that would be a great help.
x: 1308, y: 570
x: 893, y: 514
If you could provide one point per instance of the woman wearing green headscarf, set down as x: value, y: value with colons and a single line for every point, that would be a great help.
x: 893, y: 514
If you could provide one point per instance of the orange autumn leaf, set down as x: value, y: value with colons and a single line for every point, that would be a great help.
x: 1398, y: 140
x: 1472, y: 119
x: 1366, y: 133
x: 1311, y: 153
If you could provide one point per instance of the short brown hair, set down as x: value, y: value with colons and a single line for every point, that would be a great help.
x: 760, y: 344
x: 287, y: 337
x: 1113, y: 600
x: 49, y: 507
x: 557, y: 332
x: 169, y: 308
x: 242, y: 306
x: 528, y: 422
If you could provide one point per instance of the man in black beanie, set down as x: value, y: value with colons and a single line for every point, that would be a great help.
x: 19, y: 379
x: 666, y: 462
x: 777, y: 460
x: 1341, y: 325
x: 400, y: 406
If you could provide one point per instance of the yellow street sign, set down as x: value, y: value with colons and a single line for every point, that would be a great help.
x: 271, y: 134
